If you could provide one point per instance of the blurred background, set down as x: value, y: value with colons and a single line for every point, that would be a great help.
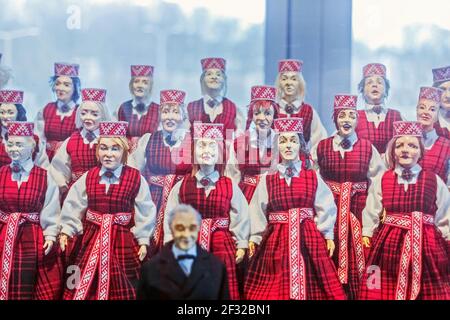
x: 333, y: 38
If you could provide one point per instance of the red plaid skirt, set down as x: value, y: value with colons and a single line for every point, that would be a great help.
x: 268, y: 274
x: 224, y: 248
x: 33, y: 274
x: 386, y: 252
x: 125, y: 265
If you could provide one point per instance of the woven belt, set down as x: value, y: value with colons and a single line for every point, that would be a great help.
x: 297, y: 277
x: 347, y: 220
x: 207, y: 228
x: 100, y: 253
x: 251, y: 180
x: 411, y: 250
x: 12, y: 221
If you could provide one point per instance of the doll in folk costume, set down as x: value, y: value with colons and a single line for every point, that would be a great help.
x: 164, y: 157
x: 376, y: 120
x: 140, y: 112
x: 225, y: 222
x: 251, y: 153
x: 437, y: 149
x: 12, y: 109
x: 119, y: 216
x: 291, y: 90
x: 214, y: 107
x: 410, y: 248
x: 348, y: 164
x: 77, y: 153
x: 56, y: 122
x: 441, y: 80
x: 5, y: 74
x: 29, y: 213
x: 292, y: 215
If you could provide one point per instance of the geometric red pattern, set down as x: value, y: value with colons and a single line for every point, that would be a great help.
x: 208, y: 131
x: 431, y: 93
x: 20, y: 128
x: 113, y: 128
x: 407, y: 128
x: 213, y: 63
x: 373, y: 69
x: 344, y: 101
x: 290, y: 65
x: 141, y: 71
x: 172, y: 96
x: 11, y: 96
x: 263, y: 93
x: 441, y: 74
x: 95, y: 95
x: 66, y: 69
x: 288, y: 125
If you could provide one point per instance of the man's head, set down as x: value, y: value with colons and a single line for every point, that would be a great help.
x: 184, y: 222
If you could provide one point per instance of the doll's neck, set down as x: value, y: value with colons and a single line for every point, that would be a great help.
x: 207, y: 169
x: 213, y: 93
x: 290, y: 99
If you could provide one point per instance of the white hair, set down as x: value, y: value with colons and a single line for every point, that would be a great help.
x: 106, y: 116
x: 184, y: 209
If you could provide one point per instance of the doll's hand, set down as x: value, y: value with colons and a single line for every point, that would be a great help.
x: 251, y: 248
x: 383, y: 216
x: 48, y: 245
x: 142, y: 252
x: 63, y: 241
x: 366, y: 242
x: 240, y: 253
x: 330, y: 247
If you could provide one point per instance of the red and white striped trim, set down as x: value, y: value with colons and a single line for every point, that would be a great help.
x: 100, y: 254
x: 411, y: 251
x: 12, y: 221
x: 208, y: 227
x: 251, y: 180
x: 297, y: 277
x: 167, y: 184
x: 348, y: 223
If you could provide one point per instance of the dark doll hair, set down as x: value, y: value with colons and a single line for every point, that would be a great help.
x: 76, y: 87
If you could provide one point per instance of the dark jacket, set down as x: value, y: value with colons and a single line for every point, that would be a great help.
x: 163, y: 279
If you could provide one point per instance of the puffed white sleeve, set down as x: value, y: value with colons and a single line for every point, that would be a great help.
x: 232, y: 167
x: 374, y: 207
x: 39, y: 126
x: 50, y: 214
x: 325, y: 208
x: 376, y: 166
x: 74, y: 208
x: 115, y: 115
x: 448, y: 174
x: 41, y: 156
x: 137, y: 158
x: 442, y: 218
x: 239, y: 218
x: 318, y: 131
x: 258, y: 209
x: 144, y: 214
x: 172, y: 201
x: 61, y: 167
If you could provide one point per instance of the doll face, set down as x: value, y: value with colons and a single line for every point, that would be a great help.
x: 184, y: 230
x: 445, y: 102
x: 20, y: 148
x: 346, y: 122
x: 90, y: 115
x: 64, y: 88
x: 206, y: 152
x: 263, y: 117
x: 374, y: 89
x: 407, y: 151
x: 110, y: 153
x: 214, y: 79
x: 171, y: 117
x: 289, y: 145
x: 141, y: 87
x: 289, y: 83
x: 8, y: 112
x: 427, y: 112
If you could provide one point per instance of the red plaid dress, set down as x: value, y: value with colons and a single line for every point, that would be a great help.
x: 82, y: 157
x: 436, y: 159
x: 33, y: 274
x: 250, y: 164
x: 387, y: 245
x: 124, y: 263
x: 163, y: 169
x: 216, y: 205
x: 352, y: 168
x: 269, y: 271
x: 305, y: 112
x: 378, y: 136
x: 442, y: 132
x: 55, y: 130
x: 196, y: 112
